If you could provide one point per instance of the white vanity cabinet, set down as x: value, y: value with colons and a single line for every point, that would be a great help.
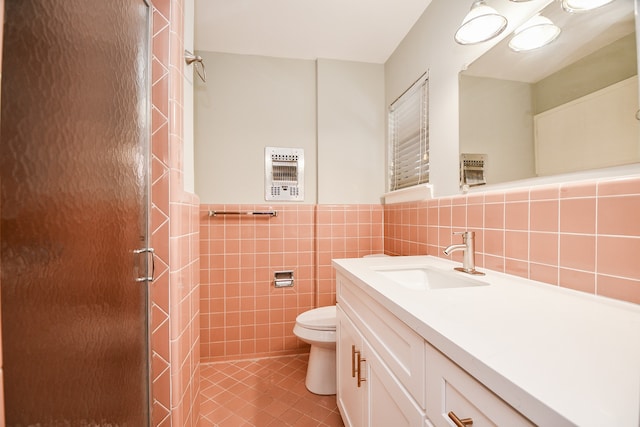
x: 369, y: 392
x: 512, y: 352
x: 388, y: 375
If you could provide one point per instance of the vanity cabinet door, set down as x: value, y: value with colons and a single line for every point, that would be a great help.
x: 350, y: 395
x: 388, y: 402
x: 400, y: 348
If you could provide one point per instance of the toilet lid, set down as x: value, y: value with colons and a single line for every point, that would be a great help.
x: 322, y: 318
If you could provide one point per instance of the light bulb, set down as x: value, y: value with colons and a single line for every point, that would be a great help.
x: 482, y: 23
x: 533, y: 34
x: 583, y: 5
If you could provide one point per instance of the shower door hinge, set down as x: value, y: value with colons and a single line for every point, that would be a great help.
x: 147, y: 252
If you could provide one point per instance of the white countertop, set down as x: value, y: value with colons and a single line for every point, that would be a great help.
x: 559, y: 357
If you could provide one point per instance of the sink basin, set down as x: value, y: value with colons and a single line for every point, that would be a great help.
x: 425, y: 278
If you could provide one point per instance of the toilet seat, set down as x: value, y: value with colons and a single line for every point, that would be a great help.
x: 318, y: 319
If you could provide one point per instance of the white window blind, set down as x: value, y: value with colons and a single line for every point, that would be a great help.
x: 409, y: 137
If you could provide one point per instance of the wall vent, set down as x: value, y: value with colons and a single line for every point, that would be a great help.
x: 284, y: 173
x: 473, y: 169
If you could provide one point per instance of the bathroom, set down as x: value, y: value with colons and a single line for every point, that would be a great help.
x: 203, y: 312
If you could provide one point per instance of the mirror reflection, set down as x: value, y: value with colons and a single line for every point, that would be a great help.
x: 566, y: 107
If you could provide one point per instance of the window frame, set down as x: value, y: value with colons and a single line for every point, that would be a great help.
x: 408, y: 155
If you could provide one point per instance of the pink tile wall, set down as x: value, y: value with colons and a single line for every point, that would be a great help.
x: 175, y: 235
x: 242, y: 314
x: 160, y: 341
x: 583, y: 236
x: 344, y: 231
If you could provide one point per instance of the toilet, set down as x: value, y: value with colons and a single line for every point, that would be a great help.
x: 318, y: 328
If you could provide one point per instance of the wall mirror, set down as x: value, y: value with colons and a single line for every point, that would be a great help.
x: 566, y: 107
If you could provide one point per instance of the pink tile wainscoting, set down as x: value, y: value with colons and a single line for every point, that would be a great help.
x: 583, y: 236
x: 175, y: 344
x: 242, y: 315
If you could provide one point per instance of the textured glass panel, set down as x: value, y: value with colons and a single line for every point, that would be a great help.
x: 74, y: 167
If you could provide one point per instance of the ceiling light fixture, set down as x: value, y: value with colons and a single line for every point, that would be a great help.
x: 583, y: 5
x: 482, y: 23
x: 533, y: 34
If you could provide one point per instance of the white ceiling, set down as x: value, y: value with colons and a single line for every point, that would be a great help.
x: 351, y: 30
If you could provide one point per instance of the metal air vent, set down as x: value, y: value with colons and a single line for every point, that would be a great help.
x: 473, y: 169
x: 284, y: 173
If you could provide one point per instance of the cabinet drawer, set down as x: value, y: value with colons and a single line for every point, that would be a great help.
x: 399, y: 347
x: 450, y: 388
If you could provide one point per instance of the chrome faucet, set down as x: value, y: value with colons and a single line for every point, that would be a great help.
x: 469, y: 247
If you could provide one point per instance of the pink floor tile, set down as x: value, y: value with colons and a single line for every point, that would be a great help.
x: 263, y: 393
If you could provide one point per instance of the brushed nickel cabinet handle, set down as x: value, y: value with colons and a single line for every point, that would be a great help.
x: 360, y: 360
x: 464, y: 422
x: 353, y: 361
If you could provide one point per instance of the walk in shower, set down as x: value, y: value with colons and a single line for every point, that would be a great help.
x: 74, y: 173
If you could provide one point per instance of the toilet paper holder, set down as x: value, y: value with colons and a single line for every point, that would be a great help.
x: 283, y: 279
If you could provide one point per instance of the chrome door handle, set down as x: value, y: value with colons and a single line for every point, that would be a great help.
x: 147, y: 251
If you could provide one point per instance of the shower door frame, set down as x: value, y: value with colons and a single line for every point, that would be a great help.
x: 2, y: 416
x: 150, y: 275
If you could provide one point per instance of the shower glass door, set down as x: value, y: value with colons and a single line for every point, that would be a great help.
x: 74, y: 208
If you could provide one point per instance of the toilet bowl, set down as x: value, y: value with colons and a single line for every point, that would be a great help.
x: 318, y: 328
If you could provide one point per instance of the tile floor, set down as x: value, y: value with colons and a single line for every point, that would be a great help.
x: 263, y: 393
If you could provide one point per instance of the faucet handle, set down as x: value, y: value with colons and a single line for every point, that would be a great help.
x: 465, y: 235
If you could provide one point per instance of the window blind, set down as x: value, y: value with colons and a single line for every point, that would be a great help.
x: 409, y: 137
